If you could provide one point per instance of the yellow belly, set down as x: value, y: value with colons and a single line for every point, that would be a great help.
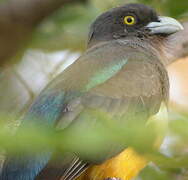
x: 124, y: 166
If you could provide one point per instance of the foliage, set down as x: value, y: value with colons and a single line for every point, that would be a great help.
x: 139, y: 136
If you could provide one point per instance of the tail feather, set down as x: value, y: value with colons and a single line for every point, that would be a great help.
x: 68, y: 167
x: 24, y: 167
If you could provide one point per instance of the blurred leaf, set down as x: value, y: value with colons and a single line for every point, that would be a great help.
x: 178, y: 127
x: 154, y: 173
x: 174, y: 8
x: 68, y: 28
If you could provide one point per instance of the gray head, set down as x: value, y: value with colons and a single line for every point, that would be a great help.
x: 131, y: 20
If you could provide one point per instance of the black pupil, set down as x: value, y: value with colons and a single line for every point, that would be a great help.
x: 129, y: 20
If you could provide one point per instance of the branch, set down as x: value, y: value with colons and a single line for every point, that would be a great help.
x: 180, y: 44
x: 18, y: 19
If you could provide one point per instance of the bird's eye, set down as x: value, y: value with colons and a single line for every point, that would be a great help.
x: 129, y: 20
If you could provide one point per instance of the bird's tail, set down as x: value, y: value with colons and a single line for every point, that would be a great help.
x: 43, y: 166
x: 24, y: 167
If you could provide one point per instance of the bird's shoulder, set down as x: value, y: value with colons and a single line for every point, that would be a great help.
x: 102, y: 62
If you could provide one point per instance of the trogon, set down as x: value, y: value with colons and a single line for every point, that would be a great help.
x: 121, y: 74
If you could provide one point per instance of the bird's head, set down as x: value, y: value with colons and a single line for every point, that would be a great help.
x: 131, y: 20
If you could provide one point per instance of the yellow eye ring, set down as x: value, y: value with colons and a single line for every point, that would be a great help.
x: 129, y: 20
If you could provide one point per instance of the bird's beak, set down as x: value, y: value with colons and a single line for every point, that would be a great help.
x: 166, y: 25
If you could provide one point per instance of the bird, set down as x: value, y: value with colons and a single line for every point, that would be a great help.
x: 122, y: 74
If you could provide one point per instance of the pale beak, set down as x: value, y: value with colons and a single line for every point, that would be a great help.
x: 166, y: 25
